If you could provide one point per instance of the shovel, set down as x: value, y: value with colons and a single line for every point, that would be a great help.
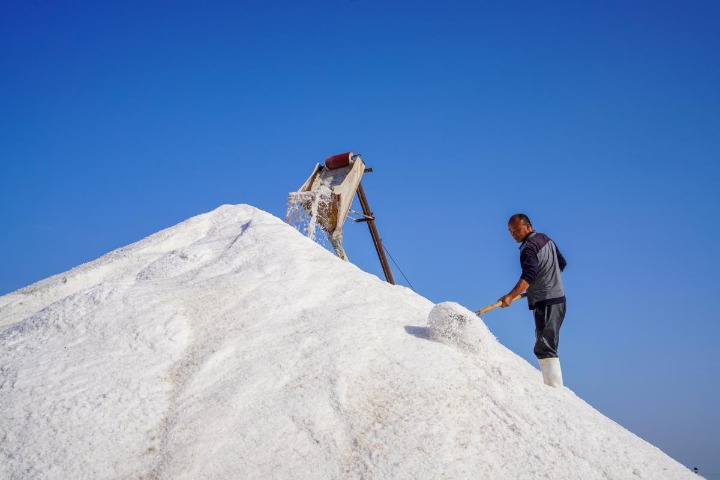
x: 495, y: 305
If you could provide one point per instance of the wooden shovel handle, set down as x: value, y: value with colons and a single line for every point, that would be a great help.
x: 497, y: 304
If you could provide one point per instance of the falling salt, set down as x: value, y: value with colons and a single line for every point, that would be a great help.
x: 303, y: 209
x: 309, y: 209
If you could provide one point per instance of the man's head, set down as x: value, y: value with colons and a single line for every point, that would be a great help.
x: 519, y: 226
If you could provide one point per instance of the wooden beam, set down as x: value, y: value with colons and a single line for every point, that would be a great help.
x: 374, y: 234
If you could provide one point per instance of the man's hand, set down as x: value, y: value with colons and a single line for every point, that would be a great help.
x: 506, y: 300
x: 520, y: 287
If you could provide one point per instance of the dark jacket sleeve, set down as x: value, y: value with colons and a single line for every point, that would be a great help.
x: 529, y: 264
x: 561, y: 260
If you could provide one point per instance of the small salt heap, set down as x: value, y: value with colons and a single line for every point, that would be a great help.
x: 453, y: 324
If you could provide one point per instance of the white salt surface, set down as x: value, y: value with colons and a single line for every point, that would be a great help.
x: 230, y: 346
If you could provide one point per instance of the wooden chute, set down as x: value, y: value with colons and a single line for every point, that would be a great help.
x: 328, y: 194
x: 326, y: 197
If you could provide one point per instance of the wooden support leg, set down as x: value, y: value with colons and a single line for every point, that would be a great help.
x: 374, y: 234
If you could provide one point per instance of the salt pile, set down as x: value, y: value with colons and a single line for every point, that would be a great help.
x: 231, y: 346
x: 451, y: 323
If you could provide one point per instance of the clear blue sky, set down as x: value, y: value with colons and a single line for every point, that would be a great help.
x: 600, y: 120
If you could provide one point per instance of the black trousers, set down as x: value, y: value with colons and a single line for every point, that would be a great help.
x: 548, y: 320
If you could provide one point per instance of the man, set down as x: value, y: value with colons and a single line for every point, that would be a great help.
x: 541, y: 263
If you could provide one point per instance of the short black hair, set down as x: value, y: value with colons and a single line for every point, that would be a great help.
x: 522, y: 217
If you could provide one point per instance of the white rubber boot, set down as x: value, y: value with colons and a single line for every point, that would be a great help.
x: 551, y: 372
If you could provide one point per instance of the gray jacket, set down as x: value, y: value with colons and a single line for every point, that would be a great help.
x: 541, y: 263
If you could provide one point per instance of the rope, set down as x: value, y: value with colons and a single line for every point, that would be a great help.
x: 398, y: 267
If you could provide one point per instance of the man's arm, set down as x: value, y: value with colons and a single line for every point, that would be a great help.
x: 529, y: 265
x: 561, y: 260
x: 519, y: 288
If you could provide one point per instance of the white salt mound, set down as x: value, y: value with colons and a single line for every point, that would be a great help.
x: 231, y: 346
x: 451, y: 323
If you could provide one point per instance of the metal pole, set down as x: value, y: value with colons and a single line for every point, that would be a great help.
x: 374, y: 234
